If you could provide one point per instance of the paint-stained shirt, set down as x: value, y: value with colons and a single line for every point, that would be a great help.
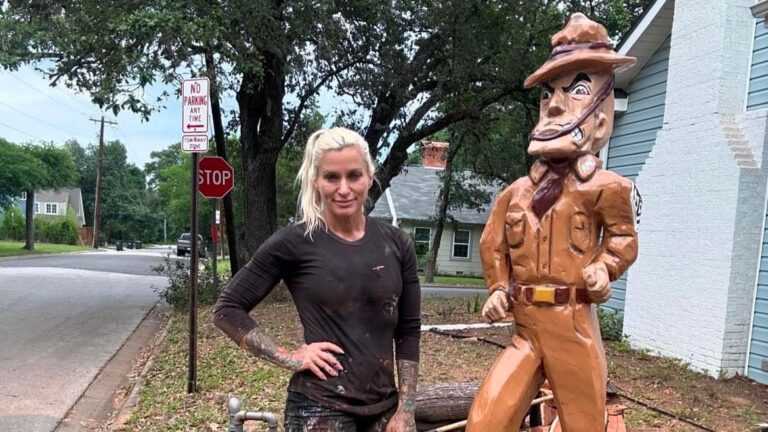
x: 360, y: 295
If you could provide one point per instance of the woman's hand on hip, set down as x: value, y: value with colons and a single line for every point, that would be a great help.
x: 318, y: 358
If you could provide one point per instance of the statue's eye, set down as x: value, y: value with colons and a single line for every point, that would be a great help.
x: 580, y: 89
x: 545, y: 94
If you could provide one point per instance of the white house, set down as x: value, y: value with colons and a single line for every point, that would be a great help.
x: 411, y: 204
x: 692, y: 137
x: 57, y: 202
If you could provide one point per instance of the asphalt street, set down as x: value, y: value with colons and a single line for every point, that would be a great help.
x: 62, y: 318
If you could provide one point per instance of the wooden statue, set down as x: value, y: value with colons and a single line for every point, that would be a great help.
x: 554, y: 241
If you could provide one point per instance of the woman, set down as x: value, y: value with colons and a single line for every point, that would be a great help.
x: 356, y: 289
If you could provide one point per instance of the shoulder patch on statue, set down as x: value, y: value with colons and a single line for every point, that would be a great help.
x: 637, y: 204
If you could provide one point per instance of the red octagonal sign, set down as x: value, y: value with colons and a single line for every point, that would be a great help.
x: 215, y: 177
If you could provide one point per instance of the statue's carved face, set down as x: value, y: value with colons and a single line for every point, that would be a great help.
x: 563, y: 101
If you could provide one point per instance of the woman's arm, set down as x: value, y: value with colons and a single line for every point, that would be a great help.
x: 315, y: 357
x: 407, y: 339
x: 404, y: 418
x: 247, y: 289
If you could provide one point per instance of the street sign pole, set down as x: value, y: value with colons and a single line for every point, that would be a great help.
x: 192, y: 377
x: 195, y: 98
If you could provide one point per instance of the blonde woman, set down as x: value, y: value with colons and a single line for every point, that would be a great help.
x: 356, y: 290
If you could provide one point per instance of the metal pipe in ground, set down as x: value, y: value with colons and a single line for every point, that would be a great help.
x: 237, y: 418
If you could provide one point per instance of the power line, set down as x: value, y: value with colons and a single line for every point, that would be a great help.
x: 42, y: 121
x: 21, y: 132
x: 47, y: 95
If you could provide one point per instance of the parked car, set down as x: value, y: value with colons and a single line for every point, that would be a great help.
x: 184, y: 245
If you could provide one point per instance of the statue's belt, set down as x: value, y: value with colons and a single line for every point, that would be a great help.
x: 547, y: 294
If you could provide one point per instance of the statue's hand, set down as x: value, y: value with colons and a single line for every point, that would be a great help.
x: 598, y: 283
x: 496, y: 306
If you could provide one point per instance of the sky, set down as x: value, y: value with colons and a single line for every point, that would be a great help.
x: 33, y: 111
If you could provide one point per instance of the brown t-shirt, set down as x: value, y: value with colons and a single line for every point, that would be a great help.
x: 360, y: 295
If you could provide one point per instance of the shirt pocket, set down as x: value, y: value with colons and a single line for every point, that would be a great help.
x: 580, y: 232
x: 515, y: 225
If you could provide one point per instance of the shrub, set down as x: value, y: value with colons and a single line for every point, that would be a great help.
x: 611, y: 324
x: 176, y: 293
x: 56, y: 229
x: 13, y: 224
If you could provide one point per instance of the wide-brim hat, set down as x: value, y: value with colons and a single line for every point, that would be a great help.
x: 582, y: 45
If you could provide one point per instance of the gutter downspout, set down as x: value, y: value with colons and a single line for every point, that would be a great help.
x: 391, y: 205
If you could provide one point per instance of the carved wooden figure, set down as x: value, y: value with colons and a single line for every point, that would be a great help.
x: 543, y: 255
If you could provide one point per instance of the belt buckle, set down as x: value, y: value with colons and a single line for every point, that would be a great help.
x: 543, y: 294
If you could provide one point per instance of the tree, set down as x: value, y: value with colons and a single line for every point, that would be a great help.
x: 30, y: 168
x: 398, y: 61
x: 125, y: 202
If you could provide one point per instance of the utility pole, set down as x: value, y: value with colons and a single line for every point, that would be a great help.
x: 99, y: 168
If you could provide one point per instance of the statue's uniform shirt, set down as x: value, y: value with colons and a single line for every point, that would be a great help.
x: 556, y: 248
x: 558, y: 342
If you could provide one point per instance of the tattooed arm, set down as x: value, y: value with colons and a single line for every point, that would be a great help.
x: 315, y: 357
x: 404, y: 418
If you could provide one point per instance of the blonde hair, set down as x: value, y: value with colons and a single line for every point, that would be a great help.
x: 310, y: 202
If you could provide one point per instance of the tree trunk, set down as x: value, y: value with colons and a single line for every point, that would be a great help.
x: 261, y: 121
x: 442, y: 210
x: 221, y: 151
x: 30, y: 221
x: 441, y: 404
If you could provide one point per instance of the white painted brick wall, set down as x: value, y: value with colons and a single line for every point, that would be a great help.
x: 691, y: 290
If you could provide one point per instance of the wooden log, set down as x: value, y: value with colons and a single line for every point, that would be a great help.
x: 441, y: 404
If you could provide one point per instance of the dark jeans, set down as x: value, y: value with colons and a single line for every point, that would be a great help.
x: 302, y: 414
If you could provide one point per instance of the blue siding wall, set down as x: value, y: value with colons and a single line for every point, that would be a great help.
x: 758, y: 351
x: 634, y: 133
x: 757, y: 98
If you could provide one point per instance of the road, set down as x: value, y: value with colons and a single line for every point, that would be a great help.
x: 62, y: 318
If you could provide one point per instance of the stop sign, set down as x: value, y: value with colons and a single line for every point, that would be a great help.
x: 215, y: 177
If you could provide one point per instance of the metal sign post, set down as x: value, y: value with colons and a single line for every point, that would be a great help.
x: 195, y: 98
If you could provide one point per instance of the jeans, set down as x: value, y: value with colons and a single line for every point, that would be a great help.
x: 302, y: 414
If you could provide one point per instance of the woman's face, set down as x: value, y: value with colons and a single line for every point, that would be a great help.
x: 343, y: 182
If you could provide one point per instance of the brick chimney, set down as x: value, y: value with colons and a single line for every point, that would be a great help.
x: 434, y: 154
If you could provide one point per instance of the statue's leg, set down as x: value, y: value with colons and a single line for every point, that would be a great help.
x: 574, y: 362
x: 507, y: 391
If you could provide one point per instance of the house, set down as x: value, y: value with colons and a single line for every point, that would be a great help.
x: 411, y: 204
x: 690, y: 130
x: 56, y: 202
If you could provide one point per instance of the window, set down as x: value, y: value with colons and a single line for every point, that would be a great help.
x: 51, y: 208
x: 461, y: 244
x: 421, y: 238
x: 37, y: 208
x: 23, y: 196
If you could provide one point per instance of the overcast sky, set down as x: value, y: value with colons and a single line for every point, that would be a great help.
x: 33, y: 111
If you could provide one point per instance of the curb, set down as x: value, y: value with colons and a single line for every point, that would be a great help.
x: 123, y: 414
x: 39, y: 255
x: 439, y: 285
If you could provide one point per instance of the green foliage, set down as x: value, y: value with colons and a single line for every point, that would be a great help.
x: 176, y: 292
x: 411, y: 68
x: 611, y: 324
x: 13, y: 223
x: 125, y: 198
x: 56, y: 229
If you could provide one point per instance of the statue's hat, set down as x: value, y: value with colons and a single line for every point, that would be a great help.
x: 582, y: 45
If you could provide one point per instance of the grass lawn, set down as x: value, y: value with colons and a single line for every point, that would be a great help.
x: 728, y: 405
x: 457, y: 280
x: 9, y: 248
x: 222, y: 267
